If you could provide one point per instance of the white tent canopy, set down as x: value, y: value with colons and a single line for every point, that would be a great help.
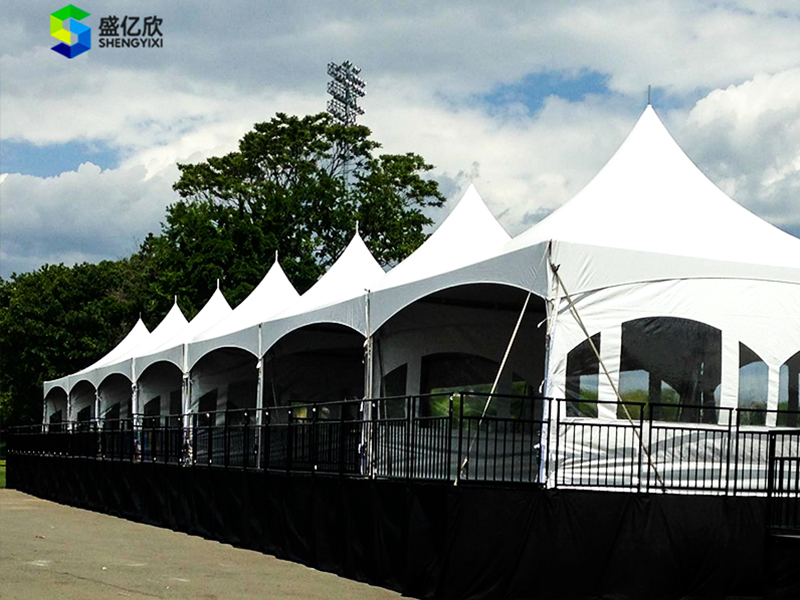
x: 651, y: 237
x: 242, y: 327
x: 135, y: 337
x: 170, y: 326
x: 173, y: 350
x: 338, y: 297
x: 453, y: 333
x: 650, y: 198
x: 469, y: 234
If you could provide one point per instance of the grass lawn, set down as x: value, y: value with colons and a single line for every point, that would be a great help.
x: 2, y: 473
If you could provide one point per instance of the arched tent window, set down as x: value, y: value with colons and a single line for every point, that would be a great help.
x: 206, y: 407
x: 152, y: 413
x: 111, y: 417
x: 753, y: 384
x: 583, y: 374
x: 789, y: 393
x: 56, y: 418
x: 83, y: 398
x: 394, y: 382
x: 56, y: 408
x: 162, y: 381
x: 224, y: 381
x: 455, y: 371
x: 475, y: 320
x: 673, y: 365
x: 316, y: 363
x: 115, y: 400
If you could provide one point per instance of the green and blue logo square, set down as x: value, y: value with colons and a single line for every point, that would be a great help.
x: 66, y: 26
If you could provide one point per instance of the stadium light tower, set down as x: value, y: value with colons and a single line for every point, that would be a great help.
x: 346, y: 88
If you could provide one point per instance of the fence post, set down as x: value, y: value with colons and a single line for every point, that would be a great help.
x: 289, y: 436
x: 771, y: 477
x: 98, y: 442
x: 543, y: 468
x: 246, y: 450
x: 450, y: 438
x: 736, y: 453
x: 407, y: 435
x: 260, y: 413
x: 210, y: 439
x: 641, y: 446
x: 557, y: 431
x: 373, y: 467
x: 266, y: 441
x: 165, y: 439
x: 461, y: 457
x: 342, y: 439
x: 314, y: 449
x: 193, y: 424
x: 728, y: 452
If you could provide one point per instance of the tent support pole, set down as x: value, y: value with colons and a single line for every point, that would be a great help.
x: 186, y: 407
x: 97, y: 401
x: 574, y: 311
x: 368, y: 388
x: 552, y: 307
x: 259, y: 408
x: 463, y: 467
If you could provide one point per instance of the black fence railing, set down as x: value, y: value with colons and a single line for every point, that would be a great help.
x: 783, y: 483
x: 465, y: 437
x: 656, y: 447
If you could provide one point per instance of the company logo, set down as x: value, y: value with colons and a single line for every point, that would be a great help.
x: 66, y: 26
x: 131, y: 32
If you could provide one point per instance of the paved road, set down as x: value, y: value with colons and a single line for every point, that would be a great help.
x: 52, y: 551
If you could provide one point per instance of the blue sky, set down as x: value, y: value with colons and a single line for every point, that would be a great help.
x: 535, y: 88
x: 52, y: 159
x: 527, y: 102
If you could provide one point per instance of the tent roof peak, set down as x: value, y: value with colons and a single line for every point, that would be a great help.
x: 468, y: 234
x: 651, y: 197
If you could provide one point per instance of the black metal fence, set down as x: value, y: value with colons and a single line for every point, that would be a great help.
x: 783, y: 482
x: 656, y: 448
x: 465, y: 437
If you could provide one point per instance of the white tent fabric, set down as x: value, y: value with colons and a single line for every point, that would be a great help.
x: 650, y: 198
x: 470, y: 233
x: 135, y: 336
x: 651, y: 236
x: 170, y: 326
x: 241, y: 328
x: 338, y: 297
x: 170, y: 351
x: 174, y: 349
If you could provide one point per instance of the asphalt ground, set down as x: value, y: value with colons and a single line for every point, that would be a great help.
x: 49, y: 550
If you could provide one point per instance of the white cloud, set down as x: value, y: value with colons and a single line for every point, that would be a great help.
x: 525, y: 163
x: 747, y: 138
x: 84, y: 215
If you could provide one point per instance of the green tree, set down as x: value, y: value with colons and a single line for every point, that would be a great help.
x: 284, y: 191
x: 58, y: 320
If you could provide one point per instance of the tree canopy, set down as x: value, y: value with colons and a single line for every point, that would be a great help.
x: 296, y: 186
x: 56, y: 321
